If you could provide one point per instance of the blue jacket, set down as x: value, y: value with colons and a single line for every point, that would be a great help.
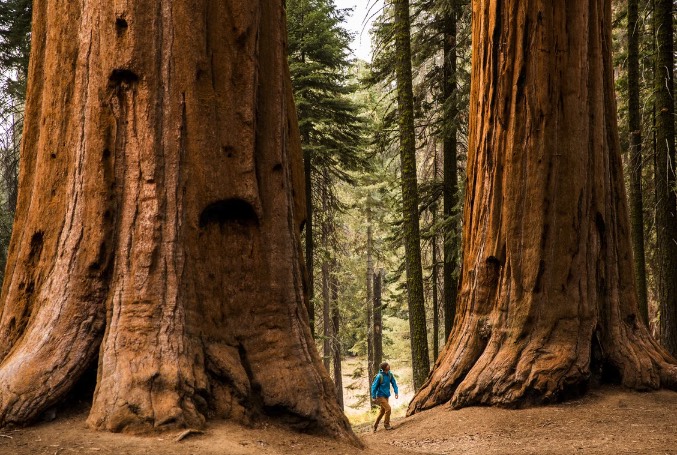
x: 381, y: 388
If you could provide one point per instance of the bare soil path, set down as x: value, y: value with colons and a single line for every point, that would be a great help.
x: 606, y: 421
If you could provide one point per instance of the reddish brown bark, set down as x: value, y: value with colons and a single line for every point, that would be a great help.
x: 547, y: 297
x: 159, y: 218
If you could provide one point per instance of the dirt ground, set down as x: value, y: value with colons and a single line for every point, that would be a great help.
x: 606, y: 421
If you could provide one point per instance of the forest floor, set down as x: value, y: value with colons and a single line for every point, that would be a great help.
x: 610, y: 420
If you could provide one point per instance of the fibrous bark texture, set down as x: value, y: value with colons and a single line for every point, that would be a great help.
x: 158, y: 222
x: 547, y: 298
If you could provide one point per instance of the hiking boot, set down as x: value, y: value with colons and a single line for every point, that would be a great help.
x: 388, y: 427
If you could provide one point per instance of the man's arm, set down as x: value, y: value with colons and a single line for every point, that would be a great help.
x: 394, y: 383
x: 374, y: 386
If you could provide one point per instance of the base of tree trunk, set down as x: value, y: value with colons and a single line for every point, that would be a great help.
x: 543, y: 370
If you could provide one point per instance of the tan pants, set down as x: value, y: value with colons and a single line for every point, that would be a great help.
x: 385, y: 409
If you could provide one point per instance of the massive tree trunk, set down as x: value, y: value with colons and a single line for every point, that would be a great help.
x: 547, y: 295
x: 158, y: 222
x: 420, y: 361
x: 450, y: 168
x: 635, y: 141
x: 666, y: 200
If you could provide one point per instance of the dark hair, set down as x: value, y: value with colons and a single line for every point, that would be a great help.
x: 384, y: 365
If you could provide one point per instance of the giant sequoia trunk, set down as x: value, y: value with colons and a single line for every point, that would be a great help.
x: 161, y: 199
x: 547, y: 297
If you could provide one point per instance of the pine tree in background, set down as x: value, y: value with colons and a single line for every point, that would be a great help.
x: 15, y: 39
x: 441, y: 50
x: 666, y: 200
x: 636, y: 204
x: 331, y: 132
x: 412, y: 238
x: 15, y: 43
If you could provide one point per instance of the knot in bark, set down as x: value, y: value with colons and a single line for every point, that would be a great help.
x: 484, y: 329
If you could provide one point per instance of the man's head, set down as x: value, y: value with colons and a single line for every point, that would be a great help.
x: 385, y: 367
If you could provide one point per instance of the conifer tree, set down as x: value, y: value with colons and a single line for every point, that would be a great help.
x: 15, y: 43
x: 329, y: 121
x: 15, y: 38
x: 412, y: 239
x: 666, y: 200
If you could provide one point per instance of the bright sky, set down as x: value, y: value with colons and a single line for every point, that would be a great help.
x: 359, y: 23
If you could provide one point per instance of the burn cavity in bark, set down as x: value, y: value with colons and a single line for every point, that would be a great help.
x: 602, y: 371
x: 123, y: 76
x: 121, y: 25
x: 36, y: 246
x: 229, y: 151
x: 229, y: 211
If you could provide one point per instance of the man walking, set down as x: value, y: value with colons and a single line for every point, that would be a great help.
x: 380, y: 392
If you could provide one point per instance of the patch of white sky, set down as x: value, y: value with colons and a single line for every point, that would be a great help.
x: 359, y: 23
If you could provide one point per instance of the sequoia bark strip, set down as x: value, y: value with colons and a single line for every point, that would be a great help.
x: 666, y: 200
x: 547, y: 296
x: 412, y: 236
x: 161, y: 197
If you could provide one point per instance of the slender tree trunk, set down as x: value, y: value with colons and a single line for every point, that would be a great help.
x: 412, y: 239
x: 666, y: 201
x: 371, y: 371
x: 336, y: 338
x: 309, y: 238
x: 310, y: 250
x: 326, y: 321
x: 450, y: 170
x: 635, y: 140
x: 326, y: 297
x: 378, y: 320
x: 547, y: 294
x: 158, y: 221
x: 436, y: 312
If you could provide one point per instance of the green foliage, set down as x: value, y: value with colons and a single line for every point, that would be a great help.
x: 329, y: 120
x: 332, y: 125
x: 437, y: 117
x: 15, y: 39
x: 15, y: 43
